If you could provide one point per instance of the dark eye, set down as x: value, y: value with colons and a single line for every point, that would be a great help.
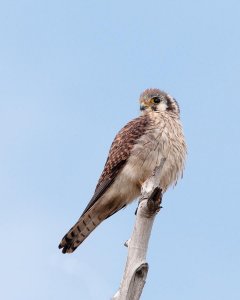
x: 156, y: 100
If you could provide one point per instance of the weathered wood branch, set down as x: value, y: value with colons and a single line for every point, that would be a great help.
x: 136, y: 268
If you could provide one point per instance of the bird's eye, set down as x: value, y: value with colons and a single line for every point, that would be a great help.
x: 156, y: 100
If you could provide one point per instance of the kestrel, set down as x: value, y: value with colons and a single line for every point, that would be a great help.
x: 135, y: 152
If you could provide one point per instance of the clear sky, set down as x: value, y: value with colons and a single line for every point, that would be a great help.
x: 70, y: 76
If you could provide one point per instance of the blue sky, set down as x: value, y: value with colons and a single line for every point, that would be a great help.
x: 71, y: 73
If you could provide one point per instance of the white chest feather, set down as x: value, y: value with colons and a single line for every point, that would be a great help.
x: 163, y: 139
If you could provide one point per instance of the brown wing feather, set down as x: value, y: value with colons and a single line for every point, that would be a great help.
x: 118, y: 155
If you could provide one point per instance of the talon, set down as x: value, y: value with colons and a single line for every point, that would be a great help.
x: 154, y: 202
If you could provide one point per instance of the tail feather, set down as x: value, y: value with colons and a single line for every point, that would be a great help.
x: 100, y: 211
x: 80, y: 231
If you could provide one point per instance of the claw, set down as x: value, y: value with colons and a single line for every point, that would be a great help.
x: 155, y: 200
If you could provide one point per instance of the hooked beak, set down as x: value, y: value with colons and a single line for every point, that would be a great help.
x: 143, y: 107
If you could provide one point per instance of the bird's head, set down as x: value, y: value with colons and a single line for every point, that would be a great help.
x: 157, y: 101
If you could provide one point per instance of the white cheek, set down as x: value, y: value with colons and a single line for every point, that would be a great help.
x: 162, y: 106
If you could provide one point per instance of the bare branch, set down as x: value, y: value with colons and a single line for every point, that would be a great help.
x: 136, y: 268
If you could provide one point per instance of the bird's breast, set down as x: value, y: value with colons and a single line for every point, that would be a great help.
x: 162, y: 139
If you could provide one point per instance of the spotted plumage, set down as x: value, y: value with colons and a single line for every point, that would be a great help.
x: 136, y: 150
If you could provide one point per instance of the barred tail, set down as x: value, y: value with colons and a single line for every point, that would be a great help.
x: 80, y: 231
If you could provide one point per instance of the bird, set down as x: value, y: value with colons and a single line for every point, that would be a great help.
x: 134, y: 154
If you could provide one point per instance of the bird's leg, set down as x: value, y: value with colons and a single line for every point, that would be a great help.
x: 155, y: 200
